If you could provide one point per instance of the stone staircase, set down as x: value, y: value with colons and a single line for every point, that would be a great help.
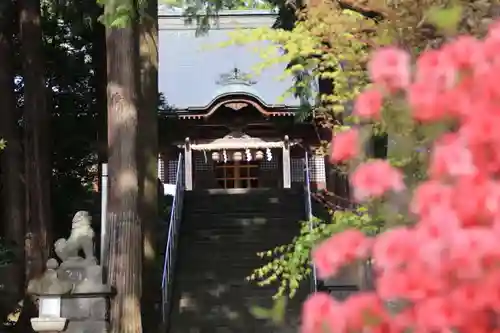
x: 220, y: 234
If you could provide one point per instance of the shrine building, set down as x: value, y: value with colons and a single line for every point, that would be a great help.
x: 234, y: 128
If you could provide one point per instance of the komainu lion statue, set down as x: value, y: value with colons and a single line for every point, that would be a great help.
x: 81, y: 238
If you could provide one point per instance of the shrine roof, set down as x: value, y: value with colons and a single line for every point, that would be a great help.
x: 192, y: 67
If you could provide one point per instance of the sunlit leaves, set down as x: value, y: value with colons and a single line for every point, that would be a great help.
x: 330, y: 43
x: 324, y: 44
x: 276, y: 314
x: 121, y: 13
x: 446, y: 19
x: 289, y: 264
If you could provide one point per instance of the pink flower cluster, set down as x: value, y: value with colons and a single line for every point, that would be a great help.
x: 444, y: 271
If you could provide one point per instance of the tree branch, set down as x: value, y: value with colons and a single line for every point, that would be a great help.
x: 366, y: 8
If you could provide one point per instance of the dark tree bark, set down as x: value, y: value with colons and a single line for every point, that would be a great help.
x: 148, y: 163
x: 12, y: 156
x: 125, y: 227
x: 36, y: 140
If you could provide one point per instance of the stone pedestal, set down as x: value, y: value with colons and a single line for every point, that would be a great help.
x: 86, y: 312
x: 87, y: 306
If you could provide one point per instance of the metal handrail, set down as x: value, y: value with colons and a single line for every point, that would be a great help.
x: 309, y: 214
x: 171, y: 246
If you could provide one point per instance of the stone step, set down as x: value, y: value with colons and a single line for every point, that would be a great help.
x: 263, y: 200
x: 242, y: 226
x: 230, y: 241
x: 242, y: 213
x: 215, y: 241
x: 243, y: 192
x: 242, y: 222
x: 218, y: 240
x: 274, y: 198
x: 211, y: 285
x: 247, y: 201
x: 211, y: 249
x: 241, y: 270
x: 214, y: 244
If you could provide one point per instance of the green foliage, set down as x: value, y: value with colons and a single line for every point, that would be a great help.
x: 6, y: 253
x: 324, y: 45
x: 205, y: 13
x: 122, y: 13
x: 276, y: 314
x: 118, y: 14
x: 71, y: 66
x: 445, y: 19
x: 197, y: 7
x: 327, y: 44
x: 331, y: 44
x: 2, y: 144
x: 290, y: 264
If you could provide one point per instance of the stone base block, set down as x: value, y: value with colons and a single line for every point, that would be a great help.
x: 85, y: 308
x: 87, y: 327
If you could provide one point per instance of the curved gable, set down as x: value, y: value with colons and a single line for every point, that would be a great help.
x: 236, y: 102
x: 190, y: 65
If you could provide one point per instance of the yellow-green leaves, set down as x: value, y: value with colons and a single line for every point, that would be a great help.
x: 324, y: 45
x: 289, y: 265
x: 276, y: 314
x: 121, y: 13
x: 445, y: 19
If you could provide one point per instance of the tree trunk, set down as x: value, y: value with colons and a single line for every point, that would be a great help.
x: 148, y: 164
x: 36, y: 140
x: 125, y: 229
x: 99, y: 84
x: 12, y: 162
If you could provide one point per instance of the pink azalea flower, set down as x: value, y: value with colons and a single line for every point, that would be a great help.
x: 344, y: 146
x: 369, y: 104
x: 321, y: 314
x: 330, y: 256
x: 443, y: 270
x: 390, y: 68
x: 374, y: 178
x: 451, y: 157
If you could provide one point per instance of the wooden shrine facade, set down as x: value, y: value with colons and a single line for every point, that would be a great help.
x: 239, y: 142
x: 231, y: 126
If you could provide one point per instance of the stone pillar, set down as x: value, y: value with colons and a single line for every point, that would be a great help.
x: 287, y: 181
x: 188, y: 165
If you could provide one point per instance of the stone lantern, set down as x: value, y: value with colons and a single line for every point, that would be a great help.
x: 49, y: 289
x: 72, y: 296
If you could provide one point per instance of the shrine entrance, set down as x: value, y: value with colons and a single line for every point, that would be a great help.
x: 237, y: 174
x: 237, y: 160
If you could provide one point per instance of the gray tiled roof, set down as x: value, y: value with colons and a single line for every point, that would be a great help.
x: 190, y: 66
